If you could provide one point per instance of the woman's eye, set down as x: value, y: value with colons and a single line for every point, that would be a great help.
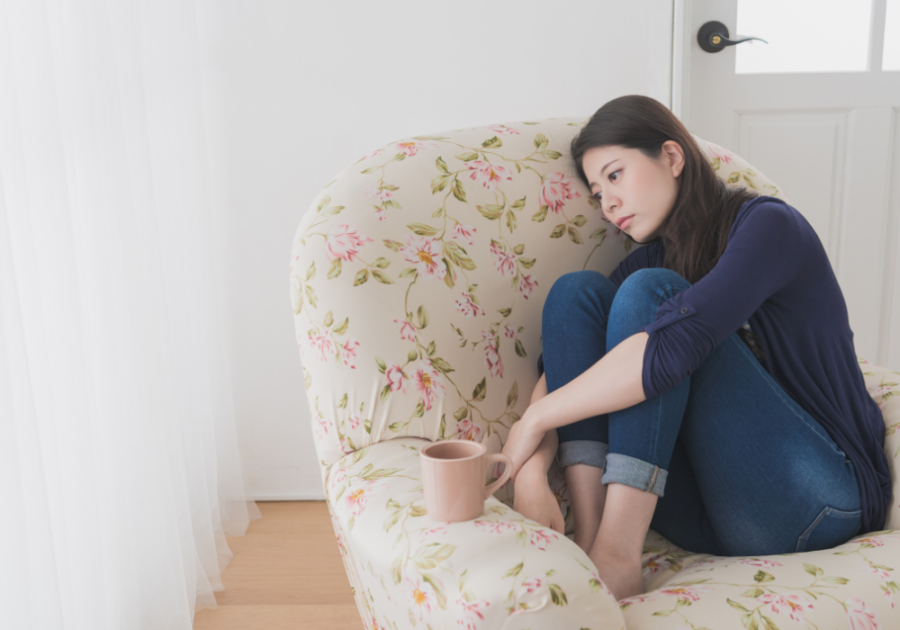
x: 598, y: 196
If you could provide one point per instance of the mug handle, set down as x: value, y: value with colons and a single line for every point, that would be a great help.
x: 507, y: 469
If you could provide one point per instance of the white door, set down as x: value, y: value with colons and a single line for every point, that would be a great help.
x: 815, y: 109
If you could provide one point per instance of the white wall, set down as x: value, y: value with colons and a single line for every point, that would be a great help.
x: 297, y: 91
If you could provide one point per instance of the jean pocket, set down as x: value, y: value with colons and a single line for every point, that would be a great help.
x: 832, y: 527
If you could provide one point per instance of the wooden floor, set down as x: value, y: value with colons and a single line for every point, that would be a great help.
x: 286, y: 574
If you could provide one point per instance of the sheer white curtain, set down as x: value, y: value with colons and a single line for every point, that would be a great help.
x: 119, y: 466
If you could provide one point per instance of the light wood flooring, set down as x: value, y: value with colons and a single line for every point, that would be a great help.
x: 286, y: 574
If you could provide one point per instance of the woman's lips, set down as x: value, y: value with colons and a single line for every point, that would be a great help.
x: 625, y: 223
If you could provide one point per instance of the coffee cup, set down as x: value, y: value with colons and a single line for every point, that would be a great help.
x: 453, y: 481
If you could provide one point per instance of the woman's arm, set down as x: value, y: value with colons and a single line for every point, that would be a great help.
x: 612, y: 383
x: 539, y: 463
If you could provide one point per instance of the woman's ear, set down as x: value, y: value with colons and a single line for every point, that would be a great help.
x: 675, y: 156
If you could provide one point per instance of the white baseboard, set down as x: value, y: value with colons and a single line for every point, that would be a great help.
x: 303, y: 496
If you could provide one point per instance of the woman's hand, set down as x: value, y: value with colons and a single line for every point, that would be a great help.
x: 522, y: 441
x: 535, y: 500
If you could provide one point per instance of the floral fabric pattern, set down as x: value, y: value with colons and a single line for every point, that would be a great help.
x: 417, y: 281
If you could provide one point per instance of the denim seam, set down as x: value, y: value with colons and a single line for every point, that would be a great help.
x: 805, y: 535
x: 759, y: 368
x: 825, y: 512
x: 653, y: 476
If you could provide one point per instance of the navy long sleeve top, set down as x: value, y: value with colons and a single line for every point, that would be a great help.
x: 774, y: 274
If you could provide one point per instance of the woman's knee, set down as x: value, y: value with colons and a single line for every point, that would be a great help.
x: 638, y: 299
x: 652, y: 280
x: 579, y: 284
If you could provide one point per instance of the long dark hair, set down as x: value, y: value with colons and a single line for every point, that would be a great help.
x: 695, y: 232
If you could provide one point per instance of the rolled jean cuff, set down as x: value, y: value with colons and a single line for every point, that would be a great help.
x: 634, y: 472
x: 587, y: 452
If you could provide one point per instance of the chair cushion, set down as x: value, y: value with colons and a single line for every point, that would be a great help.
x: 500, y: 570
x: 503, y: 570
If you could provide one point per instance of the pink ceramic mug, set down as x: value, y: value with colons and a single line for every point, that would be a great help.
x: 453, y: 478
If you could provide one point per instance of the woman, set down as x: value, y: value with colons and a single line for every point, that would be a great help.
x: 709, y: 386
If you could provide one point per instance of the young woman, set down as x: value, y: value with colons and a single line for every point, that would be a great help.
x: 709, y: 387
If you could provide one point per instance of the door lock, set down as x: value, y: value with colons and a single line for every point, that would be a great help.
x: 713, y: 37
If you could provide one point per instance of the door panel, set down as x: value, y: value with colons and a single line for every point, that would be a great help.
x: 827, y: 137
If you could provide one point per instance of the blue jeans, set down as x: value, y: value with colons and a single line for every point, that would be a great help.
x: 739, y: 467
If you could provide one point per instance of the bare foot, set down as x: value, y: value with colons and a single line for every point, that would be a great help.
x: 622, y: 576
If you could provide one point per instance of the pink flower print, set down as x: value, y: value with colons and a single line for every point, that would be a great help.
x: 355, y: 500
x: 505, y: 262
x: 527, y: 285
x: 502, y: 129
x: 871, y: 541
x: 497, y: 527
x: 758, y: 562
x: 429, y: 382
x: 320, y: 426
x: 339, y: 476
x: 492, y: 354
x: 421, y: 597
x: 356, y: 495
x: 468, y: 430
x: 349, y: 353
x: 700, y: 563
x: 373, y: 154
x: 723, y: 154
x: 509, y: 332
x: 345, y: 445
x: 467, y: 307
x: 487, y: 174
x: 533, y: 584
x: 788, y: 605
x: 380, y: 213
x: 407, y: 330
x: 425, y: 253
x: 690, y: 593
x: 889, y: 597
x: 396, y: 378
x: 655, y: 566
x: 556, y: 190
x: 540, y: 538
x: 411, y: 147
x: 465, y: 232
x: 881, y: 574
x: 471, y: 611
x: 323, y: 344
x: 440, y: 529
x: 344, y: 242
x: 860, y: 616
x: 354, y: 421
x: 379, y: 194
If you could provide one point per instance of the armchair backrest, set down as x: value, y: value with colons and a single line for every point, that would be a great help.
x: 418, y: 277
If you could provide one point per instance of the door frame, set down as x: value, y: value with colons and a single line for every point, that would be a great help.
x: 681, y: 59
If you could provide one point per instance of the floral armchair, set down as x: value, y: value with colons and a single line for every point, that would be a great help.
x: 417, y: 280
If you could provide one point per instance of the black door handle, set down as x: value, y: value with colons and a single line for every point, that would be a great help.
x: 713, y: 37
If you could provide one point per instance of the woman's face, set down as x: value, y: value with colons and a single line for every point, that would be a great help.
x: 629, y: 184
